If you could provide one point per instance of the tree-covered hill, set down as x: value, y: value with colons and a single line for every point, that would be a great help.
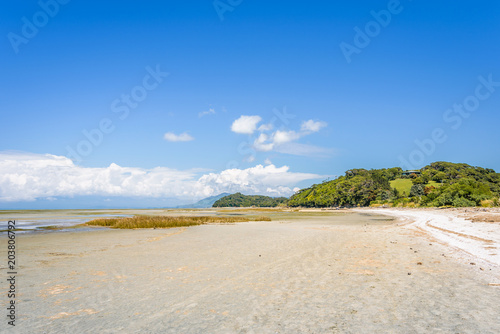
x: 438, y: 184
x: 240, y: 200
x: 356, y: 187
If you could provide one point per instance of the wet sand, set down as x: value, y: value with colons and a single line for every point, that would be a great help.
x: 357, y: 273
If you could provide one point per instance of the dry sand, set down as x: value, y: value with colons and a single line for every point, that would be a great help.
x: 473, y: 233
x: 358, y: 273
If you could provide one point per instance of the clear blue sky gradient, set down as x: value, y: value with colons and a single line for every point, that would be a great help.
x: 263, y: 55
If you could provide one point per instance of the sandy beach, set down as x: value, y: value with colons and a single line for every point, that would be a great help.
x: 327, y: 272
x: 473, y: 234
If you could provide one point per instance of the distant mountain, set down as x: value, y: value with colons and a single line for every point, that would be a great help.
x: 204, y: 203
x: 240, y: 200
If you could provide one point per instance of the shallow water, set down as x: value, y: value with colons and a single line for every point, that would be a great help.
x: 51, y: 220
x: 28, y: 221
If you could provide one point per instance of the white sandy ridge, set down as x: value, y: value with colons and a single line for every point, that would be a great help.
x: 476, y: 240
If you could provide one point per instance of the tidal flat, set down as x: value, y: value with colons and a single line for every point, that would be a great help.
x: 308, y: 271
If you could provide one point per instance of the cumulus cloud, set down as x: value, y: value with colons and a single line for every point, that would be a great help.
x: 312, y: 126
x: 283, y: 137
x: 270, y: 180
x: 170, y: 136
x: 246, y: 124
x: 284, y: 141
x: 262, y: 143
x: 280, y: 140
x: 27, y: 177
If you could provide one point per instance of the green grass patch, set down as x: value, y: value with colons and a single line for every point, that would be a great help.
x: 402, y: 185
x: 434, y: 184
x: 168, y: 221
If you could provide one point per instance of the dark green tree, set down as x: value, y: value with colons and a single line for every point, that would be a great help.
x: 417, y: 190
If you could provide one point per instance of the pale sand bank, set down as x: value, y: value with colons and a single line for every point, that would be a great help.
x: 473, y: 234
x: 323, y: 274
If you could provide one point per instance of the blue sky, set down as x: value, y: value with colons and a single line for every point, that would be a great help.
x: 366, y: 109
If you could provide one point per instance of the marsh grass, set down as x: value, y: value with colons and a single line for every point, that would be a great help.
x: 261, y: 219
x: 51, y: 227
x: 168, y: 221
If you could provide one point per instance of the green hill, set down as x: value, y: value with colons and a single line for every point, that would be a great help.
x: 357, y: 187
x: 240, y: 200
x: 438, y: 184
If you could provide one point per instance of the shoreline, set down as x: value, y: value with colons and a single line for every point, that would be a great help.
x: 472, y: 234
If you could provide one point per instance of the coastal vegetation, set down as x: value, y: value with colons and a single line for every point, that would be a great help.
x: 358, y: 187
x: 436, y: 185
x: 440, y: 184
x: 240, y: 200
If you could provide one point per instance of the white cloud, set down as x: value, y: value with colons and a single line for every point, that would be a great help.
x: 283, y: 141
x: 312, y: 126
x: 210, y: 111
x: 265, y: 127
x: 170, y: 136
x: 262, y: 144
x: 271, y: 180
x: 27, y: 177
x: 246, y: 124
x: 283, y: 137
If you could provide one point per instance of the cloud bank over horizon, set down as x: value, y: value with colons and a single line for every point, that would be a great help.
x: 29, y: 176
